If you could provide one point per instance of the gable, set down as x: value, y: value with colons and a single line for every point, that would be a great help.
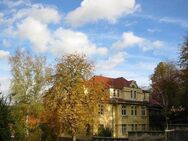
x: 133, y: 84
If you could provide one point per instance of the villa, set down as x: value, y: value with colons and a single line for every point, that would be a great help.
x: 127, y: 109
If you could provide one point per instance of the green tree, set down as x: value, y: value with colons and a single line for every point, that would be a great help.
x: 71, y: 101
x: 165, y: 86
x: 27, y: 85
x: 5, y: 120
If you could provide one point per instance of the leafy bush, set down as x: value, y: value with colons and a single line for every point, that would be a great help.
x: 5, y: 120
x: 105, y: 132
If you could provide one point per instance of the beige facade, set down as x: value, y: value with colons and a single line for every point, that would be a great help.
x: 126, y: 111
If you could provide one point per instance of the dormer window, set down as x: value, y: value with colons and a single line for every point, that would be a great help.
x: 134, y: 94
x: 114, y: 93
x: 131, y: 94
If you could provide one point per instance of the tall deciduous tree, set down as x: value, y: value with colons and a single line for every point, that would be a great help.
x: 183, y: 59
x: 72, y: 99
x: 165, y: 83
x: 27, y: 84
x: 184, y: 54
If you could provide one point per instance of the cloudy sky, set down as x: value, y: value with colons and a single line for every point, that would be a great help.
x: 125, y: 38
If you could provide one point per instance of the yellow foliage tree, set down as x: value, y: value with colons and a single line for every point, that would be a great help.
x: 73, y: 97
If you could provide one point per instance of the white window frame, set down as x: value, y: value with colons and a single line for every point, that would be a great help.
x: 131, y: 94
x: 135, y: 94
x: 123, y: 129
x: 114, y: 93
x: 123, y: 110
x: 135, y: 110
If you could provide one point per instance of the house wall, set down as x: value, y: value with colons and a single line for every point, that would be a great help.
x: 113, y: 117
x: 129, y: 120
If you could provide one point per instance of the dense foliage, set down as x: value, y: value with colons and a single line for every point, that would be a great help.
x: 27, y: 84
x: 6, y: 121
x: 170, y: 86
x: 72, y: 99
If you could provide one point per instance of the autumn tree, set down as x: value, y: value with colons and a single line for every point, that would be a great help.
x: 27, y: 85
x: 165, y: 85
x: 183, y: 60
x: 71, y: 100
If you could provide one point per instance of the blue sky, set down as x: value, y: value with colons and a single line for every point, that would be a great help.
x: 124, y: 38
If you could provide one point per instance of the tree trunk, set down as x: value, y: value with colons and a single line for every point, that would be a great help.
x: 74, y: 138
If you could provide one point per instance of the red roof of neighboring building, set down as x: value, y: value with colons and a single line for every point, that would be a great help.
x: 153, y: 101
x: 117, y: 83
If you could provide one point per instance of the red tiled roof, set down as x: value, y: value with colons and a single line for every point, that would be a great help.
x: 117, y: 83
x: 153, y: 101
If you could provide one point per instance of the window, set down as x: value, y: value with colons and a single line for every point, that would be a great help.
x: 123, y: 129
x: 114, y: 93
x: 134, y: 94
x: 135, y: 110
x: 143, y: 127
x: 144, y: 96
x: 135, y: 127
x: 143, y: 111
x: 132, y: 110
x: 123, y: 110
x: 101, y: 109
x: 131, y: 94
x: 132, y: 127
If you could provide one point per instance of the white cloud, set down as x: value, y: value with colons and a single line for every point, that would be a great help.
x: 34, y: 31
x: 111, y: 62
x: 13, y: 3
x: 94, y: 10
x: 151, y: 45
x: 1, y: 17
x: 59, y: 41
x: 32, y: 24
x: 6, y: 43
x: 129, y: 39
x: 69, y: 41
x: 44, y: 14
x: 181, y: 22
x: 153, y: 30
x: 4, y: 54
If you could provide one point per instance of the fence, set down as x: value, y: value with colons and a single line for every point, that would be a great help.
x: 109, y: 139
x: 177, y: 132
x: 147, y: 136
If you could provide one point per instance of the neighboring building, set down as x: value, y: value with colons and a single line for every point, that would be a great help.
x: 127, y: 109
x: 156, y: 119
